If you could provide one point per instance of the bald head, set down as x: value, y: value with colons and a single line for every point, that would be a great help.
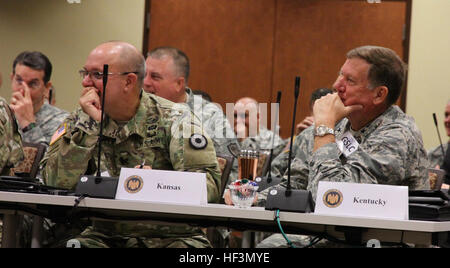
x: 247, y: 101
x: 125, y: 56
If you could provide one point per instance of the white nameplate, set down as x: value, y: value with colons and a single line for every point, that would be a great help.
x: 164, y: 186
x: 362, y: 200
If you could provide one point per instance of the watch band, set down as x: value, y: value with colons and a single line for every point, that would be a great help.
x: 323, y: 130
x: 29, y: 127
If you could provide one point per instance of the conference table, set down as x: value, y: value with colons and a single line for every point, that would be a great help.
x: 14, y: 205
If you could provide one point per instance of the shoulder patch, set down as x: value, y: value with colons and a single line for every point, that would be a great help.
x: 59, y: 133
x: 198, y: 141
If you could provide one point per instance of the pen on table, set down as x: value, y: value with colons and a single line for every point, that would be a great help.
x: 142, y: 165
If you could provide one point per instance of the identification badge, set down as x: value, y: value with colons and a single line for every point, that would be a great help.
x: 59, y: 133
x: 347, y: 144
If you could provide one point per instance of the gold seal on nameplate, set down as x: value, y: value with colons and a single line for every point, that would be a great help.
x: 133, y: 184
x: 332, y: 198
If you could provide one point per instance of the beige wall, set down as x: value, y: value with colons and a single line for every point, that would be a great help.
x: 429, y: 71
x: 66, y: 33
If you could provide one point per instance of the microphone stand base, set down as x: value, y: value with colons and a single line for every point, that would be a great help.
x: 296, y: 201
x: 264, y: 183
x: 97, y: 186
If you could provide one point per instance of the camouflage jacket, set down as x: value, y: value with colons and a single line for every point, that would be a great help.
x: 11, y: 151
x: 390, y: 152
x: 213, y: 121
x: 435, y: 155
x: 48, y: 118
x: 158, y: 133
x: 263, y: 141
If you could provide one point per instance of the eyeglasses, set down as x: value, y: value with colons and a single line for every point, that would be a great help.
x: 34, y: 84
x: 99, y: 75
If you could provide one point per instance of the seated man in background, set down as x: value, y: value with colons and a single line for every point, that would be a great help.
x: 150, y: 129
x: 30, y: 84
x: 439, y: 157
x: 388, y: 144
x: 167, y: 74
x: 252, y: 135
x: 309, y: 120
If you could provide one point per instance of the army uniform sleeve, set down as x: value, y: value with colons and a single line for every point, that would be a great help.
x: 436, y: 157
x: 34, y: 135
x: 47, y: 121
x: 389, y: 156
x: 192, y: 150
x: 218, y: 128
x: 68, y: 157
x: 11, y: 151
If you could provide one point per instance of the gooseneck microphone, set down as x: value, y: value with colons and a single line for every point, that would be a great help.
x: 268, y: 181
x: 97, y: 185
x: 288, y: 199
x: 439, y: 135
x: 100, y: 137
x: 296, y: 94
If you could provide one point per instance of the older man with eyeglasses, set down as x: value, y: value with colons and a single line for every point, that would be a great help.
x: 30, y: 84
x: 138, y: 128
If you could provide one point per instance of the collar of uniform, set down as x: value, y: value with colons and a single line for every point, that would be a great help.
x: 189, y: 97
x: 369, y: 128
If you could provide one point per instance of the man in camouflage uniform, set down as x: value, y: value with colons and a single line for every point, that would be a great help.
x: 436, y: 156
x: 11, y: 152
x: 30, y: 84
x: 388, y: 147
x: 167, y: 74
x: 254, y: 136
x: 138, y: 126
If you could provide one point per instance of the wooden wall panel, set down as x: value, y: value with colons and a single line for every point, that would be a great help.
x: 229, y: 43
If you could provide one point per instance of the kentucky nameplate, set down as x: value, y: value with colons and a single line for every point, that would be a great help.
x: 362, y: 200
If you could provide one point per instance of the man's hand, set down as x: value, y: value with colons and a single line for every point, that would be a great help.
x: 143, y: 167
x: 329, y: 110
x: 306, y: 123
x: 22, y: 106
x: 90, y: 103
x: 227, y: 198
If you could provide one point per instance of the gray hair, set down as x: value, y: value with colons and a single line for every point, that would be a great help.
x: 180, y: 59
x: 386, y: 69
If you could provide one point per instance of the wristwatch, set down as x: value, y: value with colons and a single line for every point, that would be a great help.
x: 29, y: 127
x: 323, y: 130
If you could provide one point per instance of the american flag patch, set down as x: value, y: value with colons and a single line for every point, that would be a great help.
x: 59, y: 133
